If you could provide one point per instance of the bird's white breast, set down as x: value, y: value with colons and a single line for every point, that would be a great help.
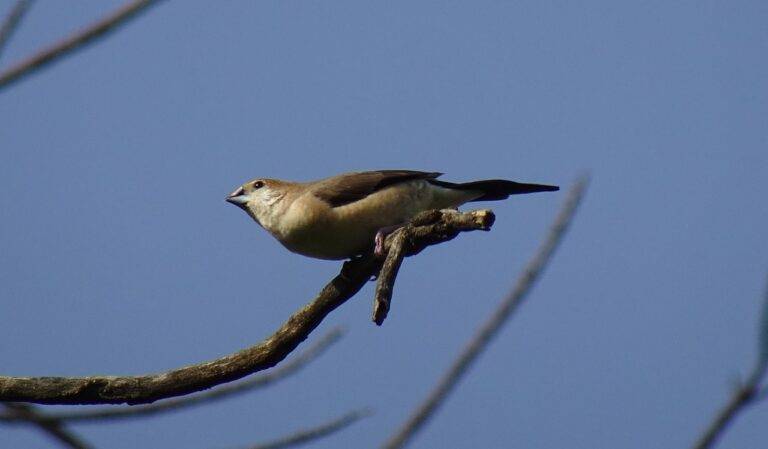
x: 313, y: 228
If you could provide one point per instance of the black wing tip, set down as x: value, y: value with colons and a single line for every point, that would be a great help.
x: 524, y: 187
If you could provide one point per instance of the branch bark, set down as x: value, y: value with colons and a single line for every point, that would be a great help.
x: 409, y: 240
x: 75, y: 41
x: 491, y: 327
x: 102, y: 414
x: 182, y: 381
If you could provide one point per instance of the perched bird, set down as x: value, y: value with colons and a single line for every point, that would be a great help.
x: 346, y: 215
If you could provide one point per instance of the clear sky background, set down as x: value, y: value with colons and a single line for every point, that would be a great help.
x: 118, y: 254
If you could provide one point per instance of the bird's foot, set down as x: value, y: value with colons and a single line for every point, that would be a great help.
x: 381, y: 235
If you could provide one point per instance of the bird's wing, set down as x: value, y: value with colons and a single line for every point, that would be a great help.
x: 350, y: 187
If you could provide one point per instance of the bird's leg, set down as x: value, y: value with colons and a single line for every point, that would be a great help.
x: 381, y: 235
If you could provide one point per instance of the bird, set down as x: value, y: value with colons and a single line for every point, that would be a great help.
x: 350, y: 214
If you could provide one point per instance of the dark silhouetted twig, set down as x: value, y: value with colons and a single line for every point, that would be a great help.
x: 308, y: 435
x: 75, y: 41
x: 54, y: 429
x: 490, y: 328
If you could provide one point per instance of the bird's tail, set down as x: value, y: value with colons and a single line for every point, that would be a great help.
x: 496, y: 189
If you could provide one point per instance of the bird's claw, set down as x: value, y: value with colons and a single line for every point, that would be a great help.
x: 378, y: 248
x: 381, y: 236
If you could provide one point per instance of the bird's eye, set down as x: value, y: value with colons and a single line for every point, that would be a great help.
x: 258, y: 185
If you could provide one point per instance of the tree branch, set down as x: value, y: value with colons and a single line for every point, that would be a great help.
x: 739, y: 400
x: 490, y: 328
x: 743, y: 395
x: 405, y: 242
x: 75, y: 41
x: 55, y: 429
x: 279, y: 373
x: 12, y: 22
x: 307, y: 435
x: 149, y: 388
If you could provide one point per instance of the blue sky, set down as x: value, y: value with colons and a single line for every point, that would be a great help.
x: 118, y: 254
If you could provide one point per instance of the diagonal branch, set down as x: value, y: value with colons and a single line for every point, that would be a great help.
x: 12, y: 22
x: 102, y: 414
x: 75, y: 41
x: 307, y: 435
x: 739, y: 400
x: 744, y: 395
x: 490, y: 328
x: 54, y: 429
x: 189, y: 379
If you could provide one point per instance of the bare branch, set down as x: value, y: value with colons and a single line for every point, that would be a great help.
x: 386, y: 280
x: 279, y: 373
x: 307, y: 435
x: 740, y: 398
x: 490, y: 328
x: 12, y: 22
x: 75, y: 41
x: 56, y: 430
x: 744, y: 395
x: 178, y: 382
x: 405, y: 242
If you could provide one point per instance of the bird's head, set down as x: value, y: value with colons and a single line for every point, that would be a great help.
x: 259, y: 198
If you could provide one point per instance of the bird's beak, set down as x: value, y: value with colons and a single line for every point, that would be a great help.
x: 238, y: 198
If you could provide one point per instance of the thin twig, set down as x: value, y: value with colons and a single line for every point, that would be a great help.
x: 307, y: 435
x: 490, y: 328
x: 189, y: 379
x: 740, y: 398
x: 75, y: 41
x: 54, y: 429
x: 743, y: 395
x: 281, y: 372
x: 12, y: 22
